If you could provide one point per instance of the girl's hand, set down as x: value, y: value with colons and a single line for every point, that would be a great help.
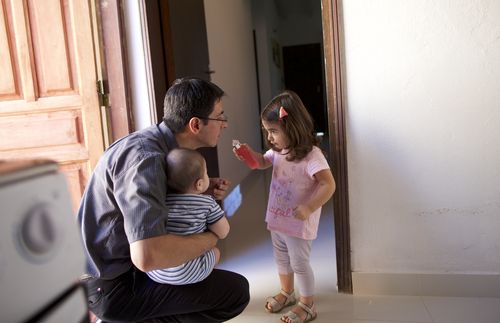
x: 302, y: 212
x: 236, y: 154
x: 246, y: 146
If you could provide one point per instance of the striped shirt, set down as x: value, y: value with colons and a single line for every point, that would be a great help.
x: 189, y: 214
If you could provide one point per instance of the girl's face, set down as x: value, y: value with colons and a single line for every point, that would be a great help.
x: 275, y: 135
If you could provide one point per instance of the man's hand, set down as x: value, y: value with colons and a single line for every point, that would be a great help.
x: 218, y: 188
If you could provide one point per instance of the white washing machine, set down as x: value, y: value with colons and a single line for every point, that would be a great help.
x: 41, y: 256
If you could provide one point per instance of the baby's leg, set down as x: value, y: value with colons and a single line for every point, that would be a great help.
x: 217, y: 254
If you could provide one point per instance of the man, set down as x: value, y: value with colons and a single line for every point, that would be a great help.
x: 123, y: 219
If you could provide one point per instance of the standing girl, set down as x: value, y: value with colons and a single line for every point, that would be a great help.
x: 301, y: 183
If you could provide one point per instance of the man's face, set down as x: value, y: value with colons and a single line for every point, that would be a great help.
x: 209, y: 133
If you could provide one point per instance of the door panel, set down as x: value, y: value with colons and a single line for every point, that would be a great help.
x: 48, y: 100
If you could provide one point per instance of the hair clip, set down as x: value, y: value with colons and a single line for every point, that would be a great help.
x: 282, y: 113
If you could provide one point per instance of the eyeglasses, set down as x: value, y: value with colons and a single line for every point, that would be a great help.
x: 221, y: 118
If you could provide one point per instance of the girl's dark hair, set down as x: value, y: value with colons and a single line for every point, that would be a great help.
x: 189, y: 97
x: 298, y: 125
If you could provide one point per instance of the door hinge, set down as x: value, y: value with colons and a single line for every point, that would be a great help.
x: 102, y: 91
x: 103, y: 94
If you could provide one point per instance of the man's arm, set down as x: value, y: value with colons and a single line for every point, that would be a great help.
x: 220, y: 228
x: 170, y: 250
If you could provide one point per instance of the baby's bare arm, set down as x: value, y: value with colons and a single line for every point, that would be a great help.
x: 220, y: 228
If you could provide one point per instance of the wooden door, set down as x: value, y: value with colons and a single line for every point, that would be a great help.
x: 49, y: 106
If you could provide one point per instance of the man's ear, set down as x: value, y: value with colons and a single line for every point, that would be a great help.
x: 194, y: 125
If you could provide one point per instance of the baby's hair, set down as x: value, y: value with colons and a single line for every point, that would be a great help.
x: 298, y: 125
x: 184, y: 168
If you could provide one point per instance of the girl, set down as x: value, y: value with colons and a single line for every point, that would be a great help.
x: 301, y: 183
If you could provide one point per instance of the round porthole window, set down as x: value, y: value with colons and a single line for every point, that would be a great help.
x: 38, y: 233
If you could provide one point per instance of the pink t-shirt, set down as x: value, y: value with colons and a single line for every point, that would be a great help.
x: 293, y: 183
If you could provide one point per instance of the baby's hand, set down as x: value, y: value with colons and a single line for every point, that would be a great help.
x: 302, y: 212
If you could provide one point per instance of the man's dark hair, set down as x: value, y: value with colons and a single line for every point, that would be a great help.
x: 189, y: 97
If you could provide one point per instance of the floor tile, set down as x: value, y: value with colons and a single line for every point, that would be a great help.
x: 248, y: 250
x: 463, y: 309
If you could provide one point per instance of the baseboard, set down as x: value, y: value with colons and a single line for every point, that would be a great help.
x: 451, y: 285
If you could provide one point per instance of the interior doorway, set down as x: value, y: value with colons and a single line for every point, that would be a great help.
x: 179, y: 48
x: 303, y: 73
x: 276, y: 27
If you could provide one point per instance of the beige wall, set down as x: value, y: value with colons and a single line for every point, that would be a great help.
x: 231, y: 55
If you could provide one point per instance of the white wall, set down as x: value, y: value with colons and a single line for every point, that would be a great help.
x: 142, y: 95
x: 423, y: 121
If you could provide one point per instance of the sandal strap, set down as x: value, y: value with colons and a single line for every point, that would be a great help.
x: 308, y: 309
x: 292, y: 294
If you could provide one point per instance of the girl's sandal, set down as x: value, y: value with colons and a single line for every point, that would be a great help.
x: 276, y: 306
x: 295, y: 318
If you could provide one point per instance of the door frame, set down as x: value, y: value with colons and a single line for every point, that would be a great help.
x: 112, y: 24
x: 337, y: 137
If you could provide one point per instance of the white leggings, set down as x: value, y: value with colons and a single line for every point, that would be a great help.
x: 292, y: 256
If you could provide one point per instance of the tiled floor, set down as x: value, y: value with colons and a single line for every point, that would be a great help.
x: 247, y: 250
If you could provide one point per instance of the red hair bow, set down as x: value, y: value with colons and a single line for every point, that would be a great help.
x: 282, y: 113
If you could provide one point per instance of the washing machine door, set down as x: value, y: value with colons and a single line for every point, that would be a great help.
x: 41, y: 256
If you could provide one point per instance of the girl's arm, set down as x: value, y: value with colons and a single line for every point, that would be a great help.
x: 263, y: 163
x: 326, y: 187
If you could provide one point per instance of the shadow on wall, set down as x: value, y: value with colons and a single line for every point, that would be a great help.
x: 248, y: 228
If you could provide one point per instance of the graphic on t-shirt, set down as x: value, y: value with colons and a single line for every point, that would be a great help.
x: 281, y: 190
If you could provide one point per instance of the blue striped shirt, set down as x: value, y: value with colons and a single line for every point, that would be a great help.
x: 189, y: 214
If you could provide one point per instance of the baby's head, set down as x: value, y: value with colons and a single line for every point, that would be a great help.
x: 287, y: 113
x: 186, y: 171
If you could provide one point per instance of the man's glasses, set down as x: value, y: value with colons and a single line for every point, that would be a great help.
x: 221, y: 118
